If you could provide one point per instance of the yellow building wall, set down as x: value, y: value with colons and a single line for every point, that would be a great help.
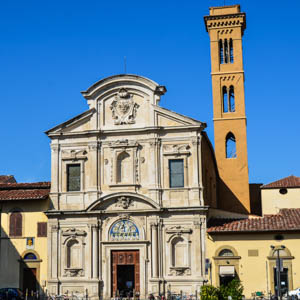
x: 14, y: 248
x: 273, y: 201
x: 254, y: 271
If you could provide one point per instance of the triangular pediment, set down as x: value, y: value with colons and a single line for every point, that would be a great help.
x: 79, y: 123
x: 165, y: 118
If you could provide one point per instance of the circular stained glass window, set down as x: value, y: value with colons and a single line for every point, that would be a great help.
x: 124, y: 230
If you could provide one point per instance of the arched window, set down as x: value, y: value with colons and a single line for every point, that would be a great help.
x: 30, y: 256
x: 123, y: 167
x: 226, y: 252
x: 221, y: 52
x: 179, y: 252
x: 230, y: 145
x: 231, y: 99
x: 73, y: 252
x: 226, y: 56
x: 231, y: 50
x: 15, y: 224
x: 225, y: 99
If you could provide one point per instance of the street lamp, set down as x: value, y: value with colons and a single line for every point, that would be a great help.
x: 278, y: 268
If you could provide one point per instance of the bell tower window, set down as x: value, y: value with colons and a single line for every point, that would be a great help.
x: 221, y: 52
x: 226, y: 51
x: 230, y: 145
x: 231, y: 50
x: 225, y: 99
x: 231, y: 99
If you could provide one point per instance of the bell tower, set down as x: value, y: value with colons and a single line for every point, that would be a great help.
x: 226, y: 26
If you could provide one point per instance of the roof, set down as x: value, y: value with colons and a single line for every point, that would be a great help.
x: 24, y: 191
x: 287, y: 182
x: 7, y: 179
x: 286, y: 220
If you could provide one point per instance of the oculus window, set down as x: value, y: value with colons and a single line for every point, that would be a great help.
x: 73, y: 177
x: 176, y: 173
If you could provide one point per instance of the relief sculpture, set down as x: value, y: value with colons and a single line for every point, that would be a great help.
x: 124, y: 108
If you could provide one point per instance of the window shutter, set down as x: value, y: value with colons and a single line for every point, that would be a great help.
x: 18, y: 231
x: 39, y: 229
x: 15, y: 224
x: 42, y: 229
x: 12, y: 224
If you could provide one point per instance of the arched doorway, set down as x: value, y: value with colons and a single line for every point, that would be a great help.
x: 30, y: 272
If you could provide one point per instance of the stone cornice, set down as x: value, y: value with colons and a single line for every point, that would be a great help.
x: 223, y: 21
x: 88, y: 133
x: 51, y: 213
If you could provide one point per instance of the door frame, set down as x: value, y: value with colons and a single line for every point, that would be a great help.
x: 117, y: 263
x: 106, y: 264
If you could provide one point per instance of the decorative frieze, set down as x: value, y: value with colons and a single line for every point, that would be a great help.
x: 73, y: 272
x: 73, y: 232
x: 176, y: 149
x: 180, y: 271
x: 74, y: 154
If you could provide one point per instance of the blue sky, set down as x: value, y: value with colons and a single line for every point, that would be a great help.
x: 52, y: 50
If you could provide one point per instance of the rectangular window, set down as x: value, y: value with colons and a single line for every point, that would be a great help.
x: 176, y: 173
x: 73, y: 177
x: 42, y: 229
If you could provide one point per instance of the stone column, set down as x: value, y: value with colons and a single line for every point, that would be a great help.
x: 93, y: 167
x: 95, y: 251
x: 54, y: 251
x: 154, y: 250
x: 203, y: 242
x: 100, y: 249
x: 153, y: 169
x: 55, y: 168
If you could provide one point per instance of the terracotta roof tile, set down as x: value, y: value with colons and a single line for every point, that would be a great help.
x: 285, y: 220
x: 25, y: 185
x: 7, y: 179
x: 290, y: 181
x: 24, y: 191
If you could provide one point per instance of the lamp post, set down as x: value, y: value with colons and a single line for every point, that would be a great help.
x: 278, y: 268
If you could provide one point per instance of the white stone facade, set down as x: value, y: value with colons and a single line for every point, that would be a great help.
x: 123, y: 145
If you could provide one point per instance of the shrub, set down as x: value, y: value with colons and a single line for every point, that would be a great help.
x: 233, y: 289
x: 209, y: 292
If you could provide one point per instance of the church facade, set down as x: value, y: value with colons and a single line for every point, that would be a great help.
x: 133, y: 184
x: 127, y: 189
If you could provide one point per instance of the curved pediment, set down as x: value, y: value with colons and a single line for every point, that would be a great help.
x: 124, y: 201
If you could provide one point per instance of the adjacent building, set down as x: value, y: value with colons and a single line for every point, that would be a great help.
x: 23, y: 234
x: 279, y: 194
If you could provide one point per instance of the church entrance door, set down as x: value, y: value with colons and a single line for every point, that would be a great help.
x: 125, y: 266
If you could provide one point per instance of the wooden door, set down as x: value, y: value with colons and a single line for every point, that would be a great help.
x: 130, y: 257
x: 29, y: 280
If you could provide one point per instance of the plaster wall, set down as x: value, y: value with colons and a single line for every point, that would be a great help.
x: 254, y: 266
x: 273, y: 200
x: 14, y: 248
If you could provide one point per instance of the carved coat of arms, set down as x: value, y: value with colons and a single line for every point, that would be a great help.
x: 124, y: 108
